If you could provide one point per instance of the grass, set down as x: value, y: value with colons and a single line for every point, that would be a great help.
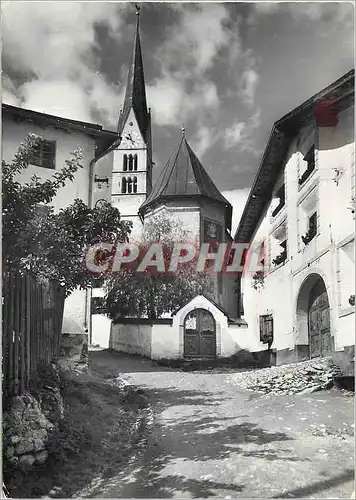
x: 95, y: 437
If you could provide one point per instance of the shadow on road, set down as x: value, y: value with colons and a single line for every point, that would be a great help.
x: 313, y: 488
x: 202, y: 439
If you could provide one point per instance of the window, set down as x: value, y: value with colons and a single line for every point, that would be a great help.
x: 129, y: 185
x: 266, y: 329
x: 313, y: 224
x: 310, y: 161
x: 282, y: 256
x: 44, y: 154
x: 125, y: 163
x: 281, y: 194
x: 312, y: 228
x: 131, y: 160
x: 135, y: 162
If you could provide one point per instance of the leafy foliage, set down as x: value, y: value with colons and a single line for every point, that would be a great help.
x: 52, y: 245
x: 151, y: 294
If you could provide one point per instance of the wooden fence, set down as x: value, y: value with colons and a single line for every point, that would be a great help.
x: 31, y: 333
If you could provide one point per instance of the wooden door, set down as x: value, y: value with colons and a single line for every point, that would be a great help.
x: 320, y: 340
x: 199, y: 334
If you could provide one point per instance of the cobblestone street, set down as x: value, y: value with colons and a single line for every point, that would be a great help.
x: 211, y: 439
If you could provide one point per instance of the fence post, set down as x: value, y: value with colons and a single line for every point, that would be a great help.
x: 22, y: 294
x: 28, y: 330
x: 17, y: 290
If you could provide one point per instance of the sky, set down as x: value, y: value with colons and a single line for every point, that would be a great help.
x: 226, y: 71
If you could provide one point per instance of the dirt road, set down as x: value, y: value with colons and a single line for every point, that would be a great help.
x: 209, y: 439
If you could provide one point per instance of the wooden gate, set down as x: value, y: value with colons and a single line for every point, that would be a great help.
x: 320, y: 340
x: 199, y: 334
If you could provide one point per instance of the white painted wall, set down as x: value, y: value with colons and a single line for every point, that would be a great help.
x: 330, y: 253
x: 101, y: 326
x: 75, y: 318
x: 132, y: 339
x: 165, y: 341
x: 13, y: 133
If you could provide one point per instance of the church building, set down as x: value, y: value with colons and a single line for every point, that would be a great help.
x: 300, y: 209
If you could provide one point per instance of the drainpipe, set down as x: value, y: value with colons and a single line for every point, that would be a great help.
x: 87, y: 327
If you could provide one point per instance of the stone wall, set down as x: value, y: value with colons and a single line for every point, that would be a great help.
x: 30, y: 419
x: 25, y: 432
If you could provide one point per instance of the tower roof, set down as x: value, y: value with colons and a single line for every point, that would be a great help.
x: 135, y: 95
x: 184, y: 176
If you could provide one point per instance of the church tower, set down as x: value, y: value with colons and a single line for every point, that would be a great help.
x: 132, y: 159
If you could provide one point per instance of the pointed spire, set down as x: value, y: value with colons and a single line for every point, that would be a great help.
x: 135, y: 95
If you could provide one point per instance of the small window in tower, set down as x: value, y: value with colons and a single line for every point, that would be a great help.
x: 125, y: 163
x: 135, y: 162
x: 129, y: 185
x: 124, y: 185
x: 135, y: 184
x: 130, y: 163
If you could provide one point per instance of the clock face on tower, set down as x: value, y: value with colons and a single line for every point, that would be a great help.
x: 131, y: 139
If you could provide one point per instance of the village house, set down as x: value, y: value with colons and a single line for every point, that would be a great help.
x: 61, y: 137
x: 301, y: 208
x: 301, y: 212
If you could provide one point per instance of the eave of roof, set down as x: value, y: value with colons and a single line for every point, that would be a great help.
x: 341, y: 92
x: 91, y: 129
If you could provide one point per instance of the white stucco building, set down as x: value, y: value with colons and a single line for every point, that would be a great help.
x: 301, y: 210
x: 61, y: 137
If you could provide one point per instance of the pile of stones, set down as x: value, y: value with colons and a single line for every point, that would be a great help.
x: 297, y: 378
x: 31, y: 418
x: 26, y: 431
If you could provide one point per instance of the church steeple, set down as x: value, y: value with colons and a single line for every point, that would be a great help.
x: 135, y: 95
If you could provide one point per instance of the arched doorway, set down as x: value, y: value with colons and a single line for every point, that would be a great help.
x: 199, y: 334
x: 319, y: 321
x: 313, y: 317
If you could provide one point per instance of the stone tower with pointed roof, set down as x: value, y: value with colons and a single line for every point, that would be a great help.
x: 186, y: 193
x: 132, y: 159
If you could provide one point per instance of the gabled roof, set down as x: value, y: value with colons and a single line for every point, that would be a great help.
x: 184, y: 176
x: 135, y: 95
x: 339, y: 94
x: 104, y: 138
x: 237, y: 321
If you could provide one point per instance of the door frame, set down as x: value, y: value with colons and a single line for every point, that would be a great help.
x: 199, y: 311
x: 312, y: 297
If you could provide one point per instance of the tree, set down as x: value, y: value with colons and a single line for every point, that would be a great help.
x: 150, y: 294
x: 52, y: 246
